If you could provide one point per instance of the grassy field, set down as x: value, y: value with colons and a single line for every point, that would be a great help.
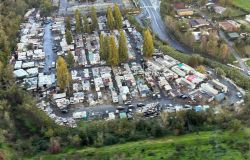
x: 244, y: 4
x: 205, y: 145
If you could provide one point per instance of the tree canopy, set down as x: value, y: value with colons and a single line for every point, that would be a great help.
x: 110, y: 19
x: 117, y: 17
x: 78, y: 18
x: 68, y: 36
x: 94, y: 24
x: 148, y: 44
x: 62, y: 74
x: 70, y: 59
x: 123, y: 49
x: 113, y: 57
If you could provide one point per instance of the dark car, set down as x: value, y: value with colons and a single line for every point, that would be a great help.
x: 140, y: 105
x: 64, y: 111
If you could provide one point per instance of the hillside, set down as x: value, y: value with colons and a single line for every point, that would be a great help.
x: 205, y: 145
x: 244, y: 4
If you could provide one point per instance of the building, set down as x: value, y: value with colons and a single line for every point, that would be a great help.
x: 198, y: 23
x: 206, y: 87
x: 229, y: 26
x: 219, y: 9
x: 185, y: 12
x: 179, y: 5
x: 186, y: 83
x: 219, y: 85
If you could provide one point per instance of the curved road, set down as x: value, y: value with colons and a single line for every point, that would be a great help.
x: 159, y: 27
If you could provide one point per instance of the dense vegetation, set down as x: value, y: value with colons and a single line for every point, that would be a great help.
x: 245, y: 5
x: 21, y: 123
x: 205, y: 145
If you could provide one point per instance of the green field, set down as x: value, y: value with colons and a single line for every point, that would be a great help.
x: 205, y: 145
x: 244, y: 4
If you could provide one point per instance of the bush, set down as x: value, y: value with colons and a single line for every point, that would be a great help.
x: 110, y: 139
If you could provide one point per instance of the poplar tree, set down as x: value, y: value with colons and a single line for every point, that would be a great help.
x: 62, y: 74
x: 67, y: 23
x: 212, y: 45
x: 78, y: 19
x: 123, y: 50
x: 101, y: 51
x: 70, y: 59
x: 148, y: 44
x: 224, y: 52
x: 94, y: 19
x: 68, y: 37
x: 86, y: 26
x: 106, y: 48
x: 110, y: 19
x: 117, y: 17
x: 113, y: 57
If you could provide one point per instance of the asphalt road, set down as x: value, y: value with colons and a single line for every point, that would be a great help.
x: 48, y: 44
x: 63, y: 7
x: 158, y: 26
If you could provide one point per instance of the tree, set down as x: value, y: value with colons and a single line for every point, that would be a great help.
x: 2, y: 155
x: 67, y: 23
x: 113, y: 57
x: 123, y: 49
x: 55, y: 146
x: 203, y: 45
x: 193, y: 61
x: 222, y: 2
x: 189, y: 39
x: 102, y: 47
x: 220, y: 71
x: 212, y: 45
x: 106, y: 48
x: 4, y: 44
x: 148, y: 44
x: 45, y: 7
x: 201, y: 69
x: 94, y: 19
x: 86, y: 26
x: 224, y: 52
x: 68, y: 37
x: 62, y: 74
x: 78, y: 18
x: 117, y: 17
x: 70, y: 59
x: 110, y: 19
x: 235, y: 125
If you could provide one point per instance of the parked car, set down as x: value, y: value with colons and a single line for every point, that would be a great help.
x: 127, y: 103
x: 158, y: 96
x: 120, y: 107
x: 131, y: 106
x: 140, y: 105
x: 239, y: 95
x: 64, y: 111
